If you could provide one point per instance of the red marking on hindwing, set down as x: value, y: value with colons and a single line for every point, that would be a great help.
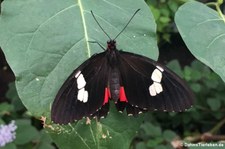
x: 107, y: 96
x: 123, y: 97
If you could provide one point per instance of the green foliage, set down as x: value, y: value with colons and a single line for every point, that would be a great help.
x: 115, y: 131
x: 202, y: 29
x: 27, y: 136
x: 160, y: 129
x: 154, y: 137
x: 164, y: 11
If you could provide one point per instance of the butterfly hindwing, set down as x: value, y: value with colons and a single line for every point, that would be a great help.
x: 89, y: 81
x: 149, y: 85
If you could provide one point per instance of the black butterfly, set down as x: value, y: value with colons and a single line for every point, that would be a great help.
x: 135, y: 83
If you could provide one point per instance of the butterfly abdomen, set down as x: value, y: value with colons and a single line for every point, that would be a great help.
x: 114, y: 84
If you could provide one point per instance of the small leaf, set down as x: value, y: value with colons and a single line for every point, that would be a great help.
x: 196, y: 87
x: 169, y: 135
x: 140, y: 145
x: 202, y: 30
x: 163, y: 147
x: 5, y: 108
x: 151, y: 130
x: 173, y: 5
x: 214, y: 103
x: 9, y: 146
x: 25, y: 132
x: 187, y: 73
x: 152, y: 143
x: 175, y: 66
x: 1, y: 121
x: 164, y: 19
x: 45, y: 141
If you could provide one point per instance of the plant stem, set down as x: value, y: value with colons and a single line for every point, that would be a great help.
x: 217, y: 5
x: 217, y: 126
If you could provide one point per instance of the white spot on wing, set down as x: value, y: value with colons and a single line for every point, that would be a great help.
x: 85, y: 97
x: 156, y: 75
x: 77, y: 74
x: 81, y: 81
x: 155, y: 89
x: 160, y: 68
x: 158, y: 87
x: 152, y: 90
x: 80, y: 94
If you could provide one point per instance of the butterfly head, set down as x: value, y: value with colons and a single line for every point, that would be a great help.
x: 111, y: 45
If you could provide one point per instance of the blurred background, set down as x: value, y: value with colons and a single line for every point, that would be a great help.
x: 205, y: 122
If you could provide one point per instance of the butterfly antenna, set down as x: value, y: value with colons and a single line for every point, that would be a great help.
x: 100, y: 25
x: 127, y: 24
x: 98, y: 44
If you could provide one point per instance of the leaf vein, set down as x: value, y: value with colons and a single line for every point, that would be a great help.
x: 46, y: 21
x: 221, y: 35
x: 84, y: 26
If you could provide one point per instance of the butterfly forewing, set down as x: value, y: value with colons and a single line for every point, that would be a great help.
x: 140, y: 74
x: 89, y: 80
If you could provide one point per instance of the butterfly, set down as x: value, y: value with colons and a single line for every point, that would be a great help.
x: 133, y: 82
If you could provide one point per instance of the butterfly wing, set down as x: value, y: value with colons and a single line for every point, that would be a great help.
x: 151, y: 86
x: 83, y: 92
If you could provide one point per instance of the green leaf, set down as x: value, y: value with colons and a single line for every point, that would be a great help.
x: 1, y: 121
x: 151, y: 130
x: 173, y: 5
x: 140, y: 145
x: 169, y: 135
x: 202, y: 29
x: 155, y: 12
x: 15, y: 100
x: 187, y: 73
x: 115, y: 131
x: 9, y: 146
x: 44, y: 41
x: 25, y: 132
x: 175, y: 66
x: 5, y: 108
x: 196, y: 87
x: 163, y: 147
x: 152, y: 143
x: 164, y: 19
x: 214, y: 103
x: 45, y: 141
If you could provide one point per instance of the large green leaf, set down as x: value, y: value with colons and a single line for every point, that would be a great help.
x: 44, y: 41
x: 114, y: 132
x: 203, y: 31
